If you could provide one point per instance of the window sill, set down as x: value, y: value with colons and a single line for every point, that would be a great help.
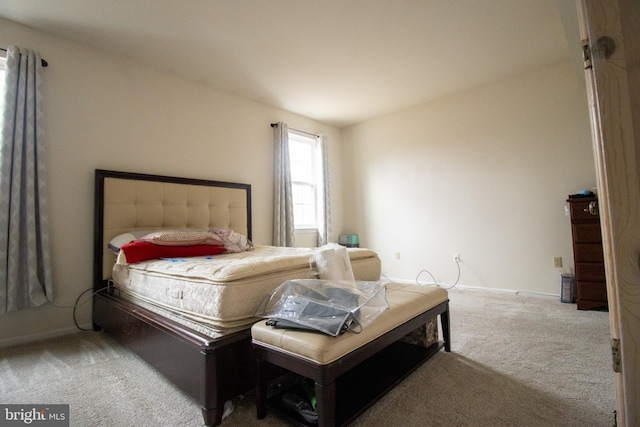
x: 306, y: 230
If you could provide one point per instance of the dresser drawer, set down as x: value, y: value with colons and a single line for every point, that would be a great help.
x: 587, y: 233
x: 580, y: 210
x: 590, y: 271
x: 592, y: 291
x: 588, y: 252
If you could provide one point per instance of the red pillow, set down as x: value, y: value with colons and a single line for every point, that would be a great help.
x: 141, y: 251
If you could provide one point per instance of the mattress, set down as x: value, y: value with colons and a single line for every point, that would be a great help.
x: 224, y: 293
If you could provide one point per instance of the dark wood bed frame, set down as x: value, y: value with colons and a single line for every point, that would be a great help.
x: 210, y: 370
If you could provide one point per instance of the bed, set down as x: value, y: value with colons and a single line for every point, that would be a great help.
x: 192, y: 326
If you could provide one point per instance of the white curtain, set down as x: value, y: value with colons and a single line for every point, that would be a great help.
x: 283, y: 225
x: 25, y: 272
x: 324, y: 203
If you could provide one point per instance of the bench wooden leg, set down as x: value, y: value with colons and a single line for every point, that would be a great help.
x: 446, y: 329
x: 261, y: 390
x: 212, y: 417
x: 326, y: 404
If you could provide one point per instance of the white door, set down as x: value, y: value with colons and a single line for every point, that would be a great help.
x: 613, y: 82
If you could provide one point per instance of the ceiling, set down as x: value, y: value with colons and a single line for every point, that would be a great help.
x: 337, y: 61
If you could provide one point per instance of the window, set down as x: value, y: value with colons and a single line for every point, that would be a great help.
x: 303, y: 152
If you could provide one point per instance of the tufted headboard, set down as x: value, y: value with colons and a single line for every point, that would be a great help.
x: 127, y: 201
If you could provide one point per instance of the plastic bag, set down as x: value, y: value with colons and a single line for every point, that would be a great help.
x: 328, y: 306
x: 333, y: 263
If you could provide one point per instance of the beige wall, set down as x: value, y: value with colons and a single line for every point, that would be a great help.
x: 484, y: 173
x: 104, y: 111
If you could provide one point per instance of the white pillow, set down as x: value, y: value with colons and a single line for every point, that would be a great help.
x: 122, y: 239
x: 182, y: 238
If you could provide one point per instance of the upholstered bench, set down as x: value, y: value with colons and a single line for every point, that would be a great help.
x: 326, y: 359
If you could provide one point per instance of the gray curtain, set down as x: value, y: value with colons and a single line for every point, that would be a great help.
x: 324, y: 202
x: 25, y: 272
x: 283, y: 225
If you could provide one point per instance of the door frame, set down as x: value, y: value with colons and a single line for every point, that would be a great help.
x: 613, y: 88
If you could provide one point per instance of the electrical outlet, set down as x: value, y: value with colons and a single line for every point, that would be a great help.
x: 397, y: 255
x: 456, y: 257
x: 557, y: 261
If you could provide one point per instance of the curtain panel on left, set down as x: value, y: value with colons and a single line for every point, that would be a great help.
x: 25, y: 266
x: 284, y: 233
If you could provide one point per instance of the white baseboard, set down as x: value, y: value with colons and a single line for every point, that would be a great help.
x: 24, y: 339
x: 475, y: 288
x: 509, y: 291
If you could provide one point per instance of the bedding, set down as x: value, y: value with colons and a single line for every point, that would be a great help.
x: 232, y: 241
x: 139, y: 251
x: 223, y: 292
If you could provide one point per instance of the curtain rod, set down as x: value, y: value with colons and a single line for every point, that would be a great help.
x: 297, y: 130
x: 44, y: 63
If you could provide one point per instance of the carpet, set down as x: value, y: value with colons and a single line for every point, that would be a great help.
x: 516, y: 361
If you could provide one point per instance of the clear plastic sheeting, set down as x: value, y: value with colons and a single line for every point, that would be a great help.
x: 332, y: 262
x: 328, y: 306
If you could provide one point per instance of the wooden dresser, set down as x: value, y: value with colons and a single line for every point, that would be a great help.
x: 590, y: 279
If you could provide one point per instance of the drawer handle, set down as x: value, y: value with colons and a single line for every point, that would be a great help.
x: 593, y: 208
